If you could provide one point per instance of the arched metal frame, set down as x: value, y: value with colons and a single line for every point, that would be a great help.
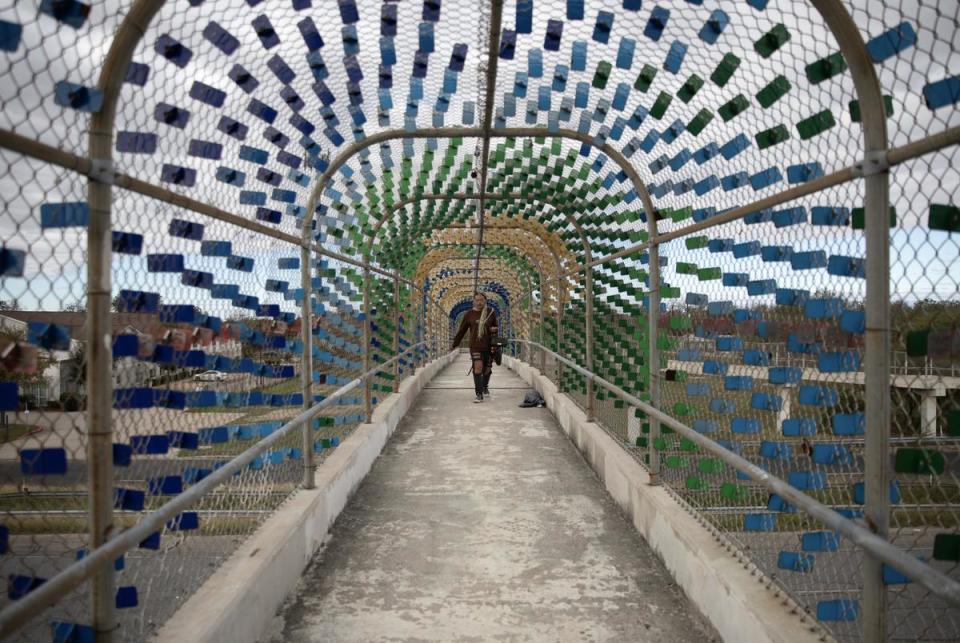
x: 874, y: 170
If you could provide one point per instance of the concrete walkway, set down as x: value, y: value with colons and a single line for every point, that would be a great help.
x: 481, y: 522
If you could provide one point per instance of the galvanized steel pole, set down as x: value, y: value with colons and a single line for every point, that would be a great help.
x: 877, y: 306
x: 99, y: 328
x: 367, y: 402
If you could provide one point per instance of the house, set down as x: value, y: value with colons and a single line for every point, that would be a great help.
x: 65, y: 376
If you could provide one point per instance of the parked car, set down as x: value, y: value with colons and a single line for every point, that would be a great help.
x: 210, y: 376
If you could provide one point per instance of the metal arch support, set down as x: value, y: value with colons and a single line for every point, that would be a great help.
x: 877, y: 337
x: 463, y: 196
x: 99, y: 286
x: 496, y: 15
x: 451, y: 132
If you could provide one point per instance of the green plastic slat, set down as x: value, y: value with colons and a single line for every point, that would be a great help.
x: 602, y: 75
x: 731, y: 491
x: 675, y: 462
x: 855, y: 115
x: 734, y: 107
x: 697, y: 242
x: 946, y: 547
x: 944, y: 217
x: 694, y: 483
x: 660, y: 106
x: 921, y: 461
x: 917, y: 343
x: 953, y: 423
x: 700, y: 121
x: 857, y: 219
x: 826, y: 68
x: 772, y: 136
x: 645, y: 78
x: 816, y: 124
x: 690, y: 88
x: 772, y: 41
x: 710, y: 465
x: 728, y: 65
x: 773, y: 91
x: 682, y: 409
x: 709, y: 274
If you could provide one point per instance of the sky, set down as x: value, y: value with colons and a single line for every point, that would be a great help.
x: 49, y: 53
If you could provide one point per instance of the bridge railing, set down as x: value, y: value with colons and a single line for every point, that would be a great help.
x: 828, y: 525
x: 235, y: 474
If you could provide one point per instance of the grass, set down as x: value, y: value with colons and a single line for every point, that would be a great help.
x: 12, y: 432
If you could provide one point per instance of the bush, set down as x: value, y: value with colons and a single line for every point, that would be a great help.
x: 72, y: 402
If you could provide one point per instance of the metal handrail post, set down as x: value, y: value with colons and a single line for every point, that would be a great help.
x: 653, y: 351
x: 543, y: 356
x: 306, y: 364
x: 367, y: 401
x: 877, y: 472
x: 396, y: 331
x: 938, y: 583
x: 99, y: 374
x: 588, y: 328
x: 559, y: 337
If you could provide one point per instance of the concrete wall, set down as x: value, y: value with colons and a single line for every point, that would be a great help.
x: 739, y: 607
x: 239, y: 601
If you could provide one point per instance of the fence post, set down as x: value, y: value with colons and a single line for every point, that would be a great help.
x: 543, y: 353
x: 306, y: 363
x: 396, y: 331
x: 588, y: 324
x: 99, y: 373
x: 367, y: 407
x: 653, y: 329
x: 559, y: 337
x: 876, y: 307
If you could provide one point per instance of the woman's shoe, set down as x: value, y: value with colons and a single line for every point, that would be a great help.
x: 478, y: 399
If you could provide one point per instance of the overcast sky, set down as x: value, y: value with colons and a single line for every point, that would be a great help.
x: 50, y: 53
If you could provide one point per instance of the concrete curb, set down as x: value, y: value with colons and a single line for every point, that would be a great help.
x: 238, y: 602
x: 739, y: 607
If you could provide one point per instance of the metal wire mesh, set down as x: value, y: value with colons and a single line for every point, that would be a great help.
x: 761, y: 330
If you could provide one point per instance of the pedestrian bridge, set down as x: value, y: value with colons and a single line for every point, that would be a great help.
x: 721, y: 240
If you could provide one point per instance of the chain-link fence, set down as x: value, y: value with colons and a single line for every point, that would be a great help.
x: 261, y: 155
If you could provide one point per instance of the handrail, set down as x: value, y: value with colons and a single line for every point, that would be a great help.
x: 16, y: 615
x: 935, y: 581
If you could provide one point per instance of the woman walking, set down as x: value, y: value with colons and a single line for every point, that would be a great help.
x: 481, y: 321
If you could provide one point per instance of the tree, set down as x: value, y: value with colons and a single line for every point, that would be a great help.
x: 116, y: 304
x: 76, y: 307
x: 23, y: 380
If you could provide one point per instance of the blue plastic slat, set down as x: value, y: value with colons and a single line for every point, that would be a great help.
x: 78, y: 97
x: 796, y: 562
x: 63, y: 215
x: 848, y: 424
x: 265, y: 32
x: 220, y: 38
x: 165, y: 485
x: 657, y: 23
x: 759, y: 522
x: 820, y: 541
x: 126, y: 242
x: 714, y: 26
x: 43, y: 462
x: 10, y: 34
x: 942, y: 93
x: 843, y: 609
x: 892, y: 42
x: 173, y: 50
